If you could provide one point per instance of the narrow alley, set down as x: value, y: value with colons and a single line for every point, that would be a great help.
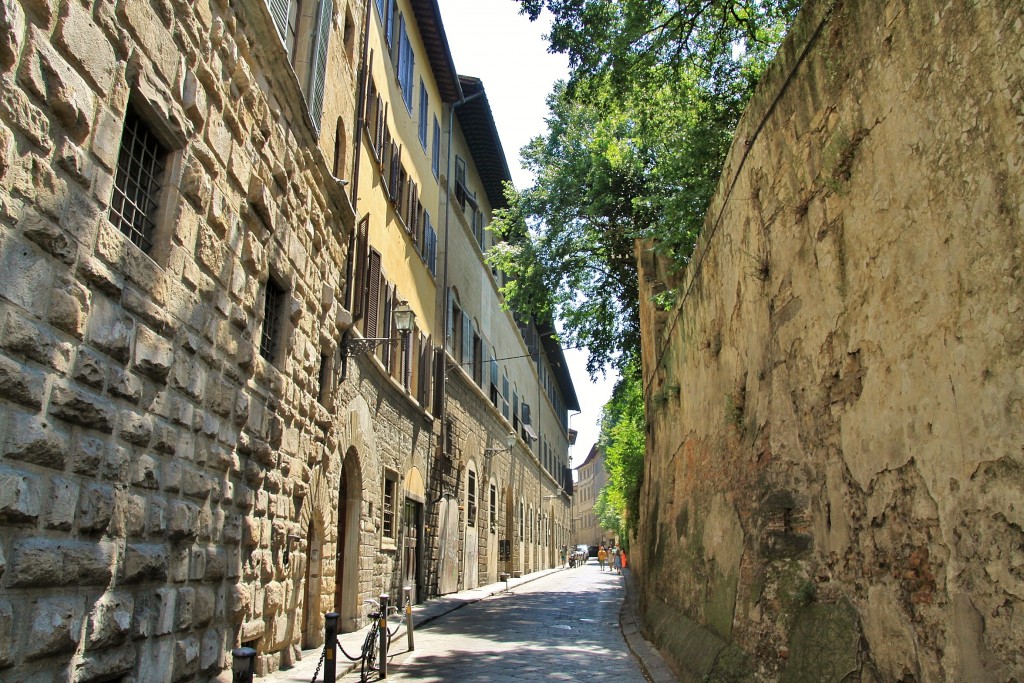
x: 561, y: 627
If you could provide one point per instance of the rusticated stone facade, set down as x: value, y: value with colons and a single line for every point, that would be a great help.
x: 833, y: 490
x: 162, y: 477
x: 190, y: 460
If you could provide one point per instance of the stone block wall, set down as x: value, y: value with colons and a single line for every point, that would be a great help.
x: 479, y: 426
x: 153, y: 464
x: 833, y: 487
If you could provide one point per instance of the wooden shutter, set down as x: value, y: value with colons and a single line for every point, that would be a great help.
x: 359, y: 268
x: 494, y: 373
x: 378, y: 140
x: 407, y: 343
x: 401, y: 47
x: 396, y: 162
x: 389, y: 21
x: 410, y: 208
x: 467, y: 342
x: 451, y: 323
x: 432, y: 251
x: 372, y: 294
x: 425, y: 371
x: 279, y: 11
x: 387, y: 350
x: 318, y: 73
x: 370, y: 113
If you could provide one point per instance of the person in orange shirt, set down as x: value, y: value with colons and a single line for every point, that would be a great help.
x: 602, y: 555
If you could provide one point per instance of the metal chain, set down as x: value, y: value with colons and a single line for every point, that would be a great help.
x: 347, y: 655
x: 319, y: 664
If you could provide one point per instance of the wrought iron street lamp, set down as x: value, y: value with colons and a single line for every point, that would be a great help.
x: 404, y: 320
x: 510, y: 441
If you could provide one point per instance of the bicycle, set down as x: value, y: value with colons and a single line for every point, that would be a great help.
x: 369, y: 660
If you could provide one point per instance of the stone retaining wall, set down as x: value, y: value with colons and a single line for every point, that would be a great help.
x: 833, y: 487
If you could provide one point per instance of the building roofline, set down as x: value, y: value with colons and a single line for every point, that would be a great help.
x: 431, y: 28
x: 481, y: 132
x: 591, y: 456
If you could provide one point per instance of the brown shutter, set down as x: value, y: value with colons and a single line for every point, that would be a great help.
x: 386, y: 351
x: 372, y: 294
x: 382, y: 110
x: 406, y: 362
x: 370, y: 112
x: 318, y: 72
x: 425, y: 369
x: 409, y: 204
x: 358, y: 290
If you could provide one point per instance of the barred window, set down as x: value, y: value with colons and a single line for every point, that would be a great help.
x: 471, y: 498
x: 493, y: 508
x: 390, y: 493
x: 273, y: 307
x: 137, y: 183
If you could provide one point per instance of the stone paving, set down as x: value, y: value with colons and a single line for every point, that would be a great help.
x: 553, y: 625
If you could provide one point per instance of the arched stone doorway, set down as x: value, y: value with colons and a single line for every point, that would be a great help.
x: 346, y: 579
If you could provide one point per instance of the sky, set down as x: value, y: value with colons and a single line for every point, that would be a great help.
x: 490, y: 40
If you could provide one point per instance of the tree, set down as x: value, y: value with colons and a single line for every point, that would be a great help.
x: 635, y: 143
x: 622, y: 439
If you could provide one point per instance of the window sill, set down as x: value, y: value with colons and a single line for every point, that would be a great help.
x: 388, y: 545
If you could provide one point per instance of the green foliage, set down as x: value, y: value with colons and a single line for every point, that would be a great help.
x: 623, y: 430
x: 635, y: 144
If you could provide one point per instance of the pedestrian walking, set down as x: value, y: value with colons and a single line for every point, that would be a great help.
x: 561, y: 556
x: 602, y: 555
x: 617, y: 559
x: 622, y: 554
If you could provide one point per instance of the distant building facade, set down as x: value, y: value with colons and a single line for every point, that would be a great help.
x: 213, y: 432
x: 591, y: 477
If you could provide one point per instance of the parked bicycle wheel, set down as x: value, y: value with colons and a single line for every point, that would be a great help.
x: 368, y: 663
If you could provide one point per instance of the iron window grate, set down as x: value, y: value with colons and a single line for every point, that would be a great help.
x: 271, y: 313
x: 140, y: 167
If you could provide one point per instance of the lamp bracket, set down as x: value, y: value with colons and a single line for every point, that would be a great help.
x: 357, y: 346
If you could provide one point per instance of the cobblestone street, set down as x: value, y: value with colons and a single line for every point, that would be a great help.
x: 561, y: 627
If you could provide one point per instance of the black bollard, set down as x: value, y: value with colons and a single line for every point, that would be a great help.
x: 330, y: 647
x: 243, y: 664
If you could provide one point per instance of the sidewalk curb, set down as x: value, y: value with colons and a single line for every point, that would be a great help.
x: 651, y: 662
x: 434, y: 608
x: 462, y: 602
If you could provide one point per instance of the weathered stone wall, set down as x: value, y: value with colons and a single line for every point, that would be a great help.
x: 477, y: 422
x: 152, y: 464
x: 834, y: 484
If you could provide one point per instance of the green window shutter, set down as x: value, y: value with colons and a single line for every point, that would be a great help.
x: 318, y: 74
x: 467, y: 343
x: 450, y: 343
x: 279, y: 11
